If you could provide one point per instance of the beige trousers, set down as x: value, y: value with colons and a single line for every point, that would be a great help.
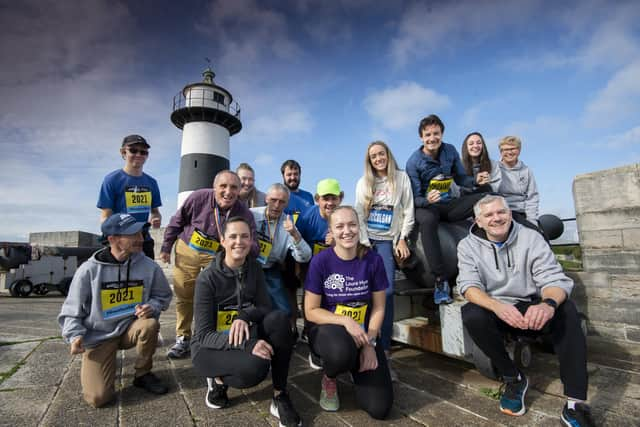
x: 188, y: 264
x: 98, y: 371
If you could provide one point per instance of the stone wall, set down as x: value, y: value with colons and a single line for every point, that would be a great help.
x: 67, y: 239
x: 608, y: 219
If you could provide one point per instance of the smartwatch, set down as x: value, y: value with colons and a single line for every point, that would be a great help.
x: 551, y: 302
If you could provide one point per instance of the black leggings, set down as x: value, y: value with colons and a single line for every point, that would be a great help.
x: 338, y: 351
x: 428, y: 219
x: 487, y: 332
x: 240, y: 368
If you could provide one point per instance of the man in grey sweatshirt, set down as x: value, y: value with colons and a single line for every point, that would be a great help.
x: 114, y: 302
x: 513, y: 283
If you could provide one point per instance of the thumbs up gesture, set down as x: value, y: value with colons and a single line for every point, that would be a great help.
x: 291, y: 228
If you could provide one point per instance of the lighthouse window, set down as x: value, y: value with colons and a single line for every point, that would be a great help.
x: 218, y: 97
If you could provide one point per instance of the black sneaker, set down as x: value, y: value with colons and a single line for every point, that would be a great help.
x: 151, y: 383
x: 216, y: 397
x: 512, y: 398
x: 283, y: 410
x: 578, y: 417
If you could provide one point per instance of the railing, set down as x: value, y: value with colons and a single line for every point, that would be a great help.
x: 199, y: 98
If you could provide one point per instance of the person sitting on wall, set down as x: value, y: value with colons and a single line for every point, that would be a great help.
x: 432, y: 169
x: 237, y: 336
x: 114, y: 302
x: 513, y: 283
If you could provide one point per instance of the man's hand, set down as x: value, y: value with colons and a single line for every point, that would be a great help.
x: 433, y: 196
x: 165, y: 257
x: 328, y: 238
x: 402, y: 250
x: 290, y: 228
x: 239, y: 332
x: 538, y: 315
x: 155, y: 222
x: 143, y: 311
x: 76, y: 346
x: 368, y: 359
x: 263, y: 350
x: 356, y: 331
x: 511, y: 316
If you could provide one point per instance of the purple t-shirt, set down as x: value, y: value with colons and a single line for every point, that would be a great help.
x: 343, y: 282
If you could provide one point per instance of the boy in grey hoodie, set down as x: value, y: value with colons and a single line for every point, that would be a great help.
x: 513, y: 283
x: 114, y: 302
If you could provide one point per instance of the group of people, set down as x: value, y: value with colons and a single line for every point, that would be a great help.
x: 240, y: 256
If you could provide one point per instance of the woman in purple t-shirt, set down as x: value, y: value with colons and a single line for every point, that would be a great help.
x: 344, y: 305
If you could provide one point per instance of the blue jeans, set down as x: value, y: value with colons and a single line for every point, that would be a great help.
x: 277, y: 292
x: 385, y: 249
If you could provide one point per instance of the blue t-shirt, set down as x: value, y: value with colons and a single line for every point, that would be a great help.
x: 124, y: 193
x: 299, y: 201
x: 312, y: 226
x: 347, y: 283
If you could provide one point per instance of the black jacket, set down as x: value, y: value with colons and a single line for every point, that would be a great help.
x: 218, y: 286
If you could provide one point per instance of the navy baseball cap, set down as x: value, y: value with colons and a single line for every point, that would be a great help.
x: 134, y: 139
x: 121, y: 225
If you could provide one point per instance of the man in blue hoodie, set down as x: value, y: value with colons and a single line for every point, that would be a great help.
x: 513, y: 283
x: 114, y: 302
x: 432, y: 169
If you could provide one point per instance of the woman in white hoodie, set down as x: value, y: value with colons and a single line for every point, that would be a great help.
x: 384, y: 202
x: 517, y: 184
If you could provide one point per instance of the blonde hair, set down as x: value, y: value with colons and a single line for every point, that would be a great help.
x: 510, y: 140
x: 361, y: 249
x: 370, y: 175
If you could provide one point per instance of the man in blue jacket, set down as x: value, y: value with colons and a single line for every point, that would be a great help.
x: 432, y: 169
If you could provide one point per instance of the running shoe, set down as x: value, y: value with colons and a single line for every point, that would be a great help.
x: 283, y: 410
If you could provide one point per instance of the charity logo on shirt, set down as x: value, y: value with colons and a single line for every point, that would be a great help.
x: 380, y: 217
x: 345, y: 287
x: 137, y: 199
x: 443, y: 185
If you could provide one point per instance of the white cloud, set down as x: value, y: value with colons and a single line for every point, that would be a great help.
x: 397, y: 107
x: 625, y: 139
x: 274, y: 126
x: 264, y: 159
x: 619, y: 99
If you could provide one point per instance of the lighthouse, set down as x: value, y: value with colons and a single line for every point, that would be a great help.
x: 208, y: 117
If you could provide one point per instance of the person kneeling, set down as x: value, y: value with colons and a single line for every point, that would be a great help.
x: 114, y: 301
x: 238, y: 337
x: 344, y: 305
x: 513, y: 283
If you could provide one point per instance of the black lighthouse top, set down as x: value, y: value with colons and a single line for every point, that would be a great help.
x: 208, y: 102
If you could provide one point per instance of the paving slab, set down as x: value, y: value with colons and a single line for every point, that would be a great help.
x: 24, y: 407
x: 44, y: 367
x: 11, y: 355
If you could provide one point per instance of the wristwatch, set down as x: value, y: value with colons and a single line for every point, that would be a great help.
x: 551, y: 302
x: 372, y: 342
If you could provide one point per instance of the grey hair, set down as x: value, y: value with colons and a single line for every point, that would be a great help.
x: 279, y: 187
x: 490, y: 198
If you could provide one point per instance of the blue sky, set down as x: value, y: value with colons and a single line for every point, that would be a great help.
x: 316, y: 81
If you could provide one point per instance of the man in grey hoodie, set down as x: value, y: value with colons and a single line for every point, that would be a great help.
x: 513, y: 283
x: 114, y: 302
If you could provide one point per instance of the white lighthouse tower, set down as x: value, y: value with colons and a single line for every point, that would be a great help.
x: 208, y: 116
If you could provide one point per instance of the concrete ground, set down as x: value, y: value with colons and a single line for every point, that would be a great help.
x: 40, y: 385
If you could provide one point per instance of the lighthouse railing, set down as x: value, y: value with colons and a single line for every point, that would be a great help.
x: 204, y: 99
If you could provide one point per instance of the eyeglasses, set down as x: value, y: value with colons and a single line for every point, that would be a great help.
x: 509, y: 149
x: 136, y: 151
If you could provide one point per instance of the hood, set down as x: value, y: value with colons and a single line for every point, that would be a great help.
x: 480, y: 236
x: 518, y: 166
x: 226, y: 271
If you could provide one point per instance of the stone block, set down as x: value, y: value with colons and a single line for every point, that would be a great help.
x: 607, y: 330
x: 590, y: 279
x: 67, y: 239
x: 631, y: 281
x: 614, y: 262
x: 631, y: 239
x: 600, y: 191
x: 633, y: 334
x: 608, y: 220
x: 601, y: 239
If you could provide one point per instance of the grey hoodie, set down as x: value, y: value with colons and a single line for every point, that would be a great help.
x: 518, y: 186
x: 517, y: 271
x: 82, y: 311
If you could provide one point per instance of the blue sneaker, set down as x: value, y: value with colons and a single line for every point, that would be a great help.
x: 580, y: 416
x: 441, y: 292
x: 512, y: 399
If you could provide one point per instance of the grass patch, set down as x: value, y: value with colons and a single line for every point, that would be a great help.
x: 569, y: 256
x: 491, y: 393
x: 10, y: 372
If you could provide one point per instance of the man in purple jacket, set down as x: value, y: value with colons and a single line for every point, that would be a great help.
x: 197, y: 228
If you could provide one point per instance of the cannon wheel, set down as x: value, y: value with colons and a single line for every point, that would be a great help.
x: 22, y: 287
x: 63, y: 286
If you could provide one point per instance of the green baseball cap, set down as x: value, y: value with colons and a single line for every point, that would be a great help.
x: 328, y: 186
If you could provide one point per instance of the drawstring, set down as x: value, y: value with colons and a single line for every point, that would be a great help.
x: 508, y: 258
x: 495, y: 256
x: 239, y: 282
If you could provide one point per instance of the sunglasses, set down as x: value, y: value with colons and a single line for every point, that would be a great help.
x: 136, y: 151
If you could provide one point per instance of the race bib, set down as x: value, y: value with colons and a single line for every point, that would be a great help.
x: 356, y: 310
x: 137, y: 199
x: 120, y: 298
x: 265, y: 250
x: 380, y: 217
x: 202, y: 242
x: 443, y: 185
x: 319, y: 247
x: 226, y: 315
